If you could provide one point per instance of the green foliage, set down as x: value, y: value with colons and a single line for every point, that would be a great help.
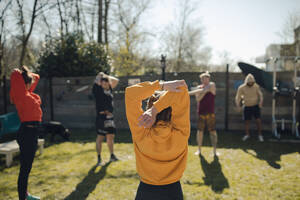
x: 71, y: 56
x: 125, y: 63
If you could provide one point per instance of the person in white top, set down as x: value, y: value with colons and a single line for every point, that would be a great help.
x: 250, y: 98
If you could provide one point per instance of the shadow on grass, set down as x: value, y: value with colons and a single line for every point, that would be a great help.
x: 268, y: 151
x: 271, y: 152
x: 213, y: 174
x: 89, y: 135
x: 270, y: 156
x: 88, y: 184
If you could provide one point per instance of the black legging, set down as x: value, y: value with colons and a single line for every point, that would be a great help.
x: 159, y: 192
x: 27, y: 139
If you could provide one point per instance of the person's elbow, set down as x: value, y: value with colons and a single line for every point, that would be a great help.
x: 184, y: 90
x: 36, y: 76
x: 114, y: 83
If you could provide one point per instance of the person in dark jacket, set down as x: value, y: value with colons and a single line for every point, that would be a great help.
x: 105, y: 126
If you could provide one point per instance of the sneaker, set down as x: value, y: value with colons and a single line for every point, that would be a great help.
x: 198, y: 152
x: 217, y: 154
x: 113, y: 158
x: 246, y: 137
x: 31, y: 197
x: 99, y: 163
x: 260, y: 138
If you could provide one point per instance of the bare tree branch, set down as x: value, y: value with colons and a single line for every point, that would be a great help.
x: 100, y: 20
x: 292, y: 21
x: 25, y: 36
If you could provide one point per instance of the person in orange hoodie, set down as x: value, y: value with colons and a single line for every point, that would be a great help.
x: 27, y: 103
x: 160, y: 136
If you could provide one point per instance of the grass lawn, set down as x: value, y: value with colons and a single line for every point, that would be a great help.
x: 244, y: 170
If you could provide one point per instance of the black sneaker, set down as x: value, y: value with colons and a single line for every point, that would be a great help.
x: 113, y: 158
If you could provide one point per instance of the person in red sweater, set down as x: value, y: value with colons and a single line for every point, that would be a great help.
x: 27, y: 103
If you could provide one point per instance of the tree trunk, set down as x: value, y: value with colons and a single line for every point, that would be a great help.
x: 78, y: 17
x: 100, y: 20
x: 26, y: 38
x: 61, y: 20
x: 107, y: 2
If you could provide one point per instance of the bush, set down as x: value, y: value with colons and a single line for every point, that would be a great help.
x: 71, y: 56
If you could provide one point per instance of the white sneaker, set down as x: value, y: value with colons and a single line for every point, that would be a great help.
x: 246, y: 137
x: 198, y: 152
x: 216, y: 154
x: 100, y: 163
x: 260, y: 138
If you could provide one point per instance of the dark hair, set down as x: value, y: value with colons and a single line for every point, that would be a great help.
x: 25, y: 73
x: 164, y: 115
x: 104, y: 79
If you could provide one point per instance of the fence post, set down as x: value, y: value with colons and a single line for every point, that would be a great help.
x: 51, y: 99
x: 4, y: 94
x: 226, y: 96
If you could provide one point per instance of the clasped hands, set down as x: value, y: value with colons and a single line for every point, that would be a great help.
x: 147, y: 119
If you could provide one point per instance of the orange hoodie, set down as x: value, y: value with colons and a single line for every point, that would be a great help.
x: 161, y: 151
x: 27, y: 103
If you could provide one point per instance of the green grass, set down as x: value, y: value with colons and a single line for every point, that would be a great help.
x: 244, y: 170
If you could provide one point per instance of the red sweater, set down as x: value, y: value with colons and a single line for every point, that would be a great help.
x: 27, y: 102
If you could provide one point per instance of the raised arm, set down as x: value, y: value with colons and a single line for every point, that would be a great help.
x: 199, y: 93
x: 36, y: 79
x: 180, y: 104
x: 134, y: 95
x: 17, y: 86
x: 113, y: 81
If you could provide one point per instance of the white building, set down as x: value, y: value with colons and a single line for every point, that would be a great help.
x: 285, y: 53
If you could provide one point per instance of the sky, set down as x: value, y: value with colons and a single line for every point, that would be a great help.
x: 243, y: 28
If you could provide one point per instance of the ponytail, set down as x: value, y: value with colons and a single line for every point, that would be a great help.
x: 26, y: 75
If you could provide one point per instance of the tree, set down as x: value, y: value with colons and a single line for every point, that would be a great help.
x: 224, y: 59
x: 25, y: 35
x: 105, y: 18
x: 3, y: 33
x: 128, y: 14
x: 291, y: 22
x: 74, y: 57
x: 183, y: 40
x: 100, y: 20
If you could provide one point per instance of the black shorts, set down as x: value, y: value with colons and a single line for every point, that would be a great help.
x: 171, y: 191
x: 250, y: 111
x: 105, y: 125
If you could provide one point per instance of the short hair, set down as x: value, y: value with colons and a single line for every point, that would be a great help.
x: 205, y: 74
x: 104, y: 79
